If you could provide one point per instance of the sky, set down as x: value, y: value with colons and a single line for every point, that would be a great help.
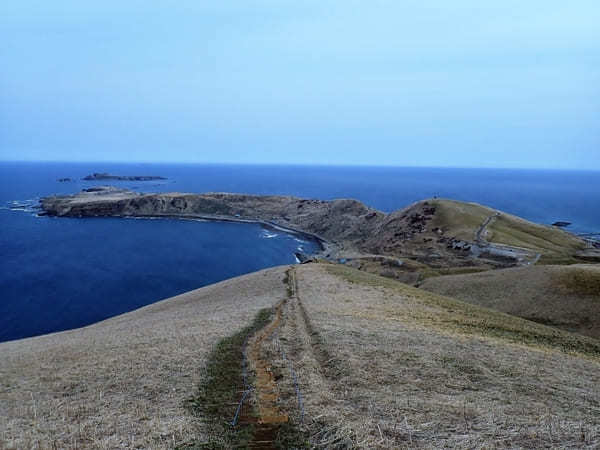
x: 459, y: 83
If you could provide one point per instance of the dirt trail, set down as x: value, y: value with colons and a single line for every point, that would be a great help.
x: 522, y: 255
x: 287, y: 357
x: 317, y: 372
x: 267, y: 391
x: 482, y: 230
x: 270, y: 417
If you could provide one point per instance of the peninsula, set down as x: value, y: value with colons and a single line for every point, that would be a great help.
x: 446, y: 246
x: 109, y: 177
x: 434, y: 233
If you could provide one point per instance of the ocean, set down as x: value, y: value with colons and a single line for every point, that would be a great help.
x: 63, y: 273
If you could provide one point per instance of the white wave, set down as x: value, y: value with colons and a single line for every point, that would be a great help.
x: 23, y: 209
x: 268, y: 235
x: 297, y: 260
x: 28, y: 205
x: 142, y: 217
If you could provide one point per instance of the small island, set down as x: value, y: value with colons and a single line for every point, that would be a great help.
x: 106, y: 176
x: 561, y: 224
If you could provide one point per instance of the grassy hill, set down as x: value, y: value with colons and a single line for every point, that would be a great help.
x: 407, y: 368
x: 351, y: 359
x: 124, y: 382
x: 464, y: 219
x: 567, y: 297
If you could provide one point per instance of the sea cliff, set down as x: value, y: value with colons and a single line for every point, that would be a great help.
x: 435, y: 232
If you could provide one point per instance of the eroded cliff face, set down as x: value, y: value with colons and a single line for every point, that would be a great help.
x: 346, y: 222
x: 349, y: 224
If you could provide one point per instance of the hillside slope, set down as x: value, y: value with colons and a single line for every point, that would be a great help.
x: 123, y: 382
x: 406, y: 368
x: 463, y: 220
x: 377, y: 364
x: 567, y: 297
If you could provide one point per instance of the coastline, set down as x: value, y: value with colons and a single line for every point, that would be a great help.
x: 419, y: 231
x: 326, y: 247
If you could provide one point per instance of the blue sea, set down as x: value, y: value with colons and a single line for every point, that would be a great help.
x: 63, y: 273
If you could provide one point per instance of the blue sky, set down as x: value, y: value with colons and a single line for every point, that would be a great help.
x: 406, y: 83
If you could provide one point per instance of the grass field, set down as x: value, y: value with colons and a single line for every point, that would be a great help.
x: 419, y: 370
x: 582, y: 280
x: 356, y: 361
x: 125, y: 382
x: 459, y: 219
x: 567, y: 297
x: 514, y: 231
x: 463, y: 220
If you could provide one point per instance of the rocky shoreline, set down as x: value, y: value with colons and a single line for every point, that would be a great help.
x: 108, y: 201
x: 341, y: 227
x: 327, y: 248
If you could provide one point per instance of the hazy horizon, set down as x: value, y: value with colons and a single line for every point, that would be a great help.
x: 461, y: 84
x: 289, y: 164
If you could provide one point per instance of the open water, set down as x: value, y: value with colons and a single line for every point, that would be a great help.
x: 63, y: 273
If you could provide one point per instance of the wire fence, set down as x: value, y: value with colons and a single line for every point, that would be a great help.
x: 247, y: 388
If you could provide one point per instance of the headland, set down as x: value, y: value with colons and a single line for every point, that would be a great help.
x: 434, y: 233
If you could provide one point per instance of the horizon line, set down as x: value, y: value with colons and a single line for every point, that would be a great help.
x: 296, y: 164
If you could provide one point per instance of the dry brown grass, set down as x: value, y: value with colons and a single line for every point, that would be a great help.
x: 459, y: 219
x: 122, y: 383
x: 379, y: 365
x: 581, y: 280
x: 406, y: 368
x: 567, y: 297
x: 514, y: 231
x: 462, y: 220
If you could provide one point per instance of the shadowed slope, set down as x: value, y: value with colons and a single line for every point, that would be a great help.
x: 567, y: 297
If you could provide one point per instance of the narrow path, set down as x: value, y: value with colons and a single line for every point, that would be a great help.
x: 482, y: 230
x: 288, y: 359
x: 266, y: 363
x: 270, y: 417
x: 527, y: 256
x: 318, y: 372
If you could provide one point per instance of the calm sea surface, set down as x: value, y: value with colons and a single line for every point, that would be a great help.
x: 57, y: 274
